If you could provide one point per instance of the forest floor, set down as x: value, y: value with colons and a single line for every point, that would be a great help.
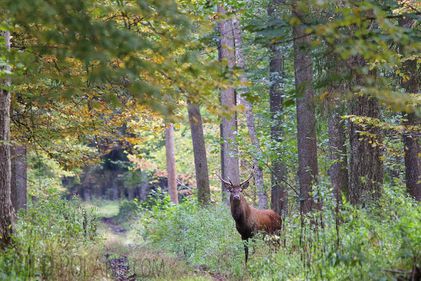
x: 129, y: 258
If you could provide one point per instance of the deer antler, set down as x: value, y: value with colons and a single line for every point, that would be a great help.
x: 246, y: 180
x: 224, y: 181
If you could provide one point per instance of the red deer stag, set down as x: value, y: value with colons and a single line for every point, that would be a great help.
x: 249, y: 220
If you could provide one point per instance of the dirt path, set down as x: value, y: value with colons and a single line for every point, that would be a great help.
x: 119, y: 257
x: 118, y: 265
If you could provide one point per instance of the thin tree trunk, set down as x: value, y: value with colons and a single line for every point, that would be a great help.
x: 411, y: 140
x: 6, y: 208
x: 170, y: 153
x: 19, y: 176
x: 306, y: 119
x: 338, y: 172
x: 199, y: 150
x: 229, y: 149
x: 279, y: 194
x: 258, y: 172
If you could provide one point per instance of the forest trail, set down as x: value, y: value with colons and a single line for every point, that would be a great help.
x: 127, y: 260
x: 116, y: 264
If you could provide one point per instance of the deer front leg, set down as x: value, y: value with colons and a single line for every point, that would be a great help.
x: 246, y: 250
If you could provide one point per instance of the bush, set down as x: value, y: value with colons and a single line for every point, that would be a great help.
x: 205, y: 237
x: 55, y: 240
x: 128, y: 210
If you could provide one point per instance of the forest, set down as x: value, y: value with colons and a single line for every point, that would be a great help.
x: 208, y: 140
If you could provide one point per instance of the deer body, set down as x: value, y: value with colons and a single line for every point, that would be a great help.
x: 249, y: 220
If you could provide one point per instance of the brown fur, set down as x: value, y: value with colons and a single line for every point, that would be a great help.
x: 249, y: 220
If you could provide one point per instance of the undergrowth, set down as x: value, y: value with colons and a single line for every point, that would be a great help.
x: 378, y: 242
x: 55, y: 240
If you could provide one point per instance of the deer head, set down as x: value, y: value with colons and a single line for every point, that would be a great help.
x: 234, y: 189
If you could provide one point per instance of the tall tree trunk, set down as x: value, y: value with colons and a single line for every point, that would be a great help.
x: 229, y: 149
x: 411, y: 140
x: 279, y: 194
x: 306, y: 119
x: 170, y: 153
x: 19, y: 176
x: 6, y: 208
x: 338, y: 172
x: 199, y: 150
x: 366, y: 165
x: 258, y: 172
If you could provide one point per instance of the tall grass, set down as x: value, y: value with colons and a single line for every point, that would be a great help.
x: 54, y: 239
x: 378, y: 242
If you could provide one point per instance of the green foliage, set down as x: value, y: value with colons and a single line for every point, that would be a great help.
x: 203, y: 236
x: 377, y: 243
x: 128, y: 210
x: 55, y: 240
x: 44, y: 176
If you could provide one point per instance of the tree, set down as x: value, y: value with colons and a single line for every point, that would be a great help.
x: 229, y: 149
x: 170, y: 153
x: 6, y: 208
x: 338, y: 171
x: 279, y: 195
x: 18, y: 181
x: 258, y: 172
x: 411, y: 139
x: 306, y: 119
x: 199, y: 150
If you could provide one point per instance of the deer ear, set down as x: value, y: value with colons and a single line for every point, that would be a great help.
x: 244, y: 185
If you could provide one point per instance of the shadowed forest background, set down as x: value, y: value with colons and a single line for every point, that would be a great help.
x: 119, y: 117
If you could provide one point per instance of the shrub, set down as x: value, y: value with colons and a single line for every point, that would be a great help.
x: 205, y: 237
x: 128, y: 210
x: 55, y: 240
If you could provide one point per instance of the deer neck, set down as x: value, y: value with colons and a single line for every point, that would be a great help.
x: 239, y: 209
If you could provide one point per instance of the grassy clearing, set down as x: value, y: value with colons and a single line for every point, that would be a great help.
x: 102, y: 208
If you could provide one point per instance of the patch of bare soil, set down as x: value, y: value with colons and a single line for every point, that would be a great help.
x: 119, y: 268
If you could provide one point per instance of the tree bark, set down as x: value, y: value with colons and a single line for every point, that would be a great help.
x: 199, y: 150
x: 170, y: 153
x: 411, y: 140
x: 279, y: 194
x: 6, y: 208
x: 19, y: 176
x: 257, y: 169
x: 306, y: 120
x: 229, y: 149
x: 366, y: 165
x: 338, y: 171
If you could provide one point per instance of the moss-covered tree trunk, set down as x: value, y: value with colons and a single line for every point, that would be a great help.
x: 411, y: 139
x: 229, y: 149
x: 279, y: 194
x: 338, y: 171
x: 366, y: 141
x: 306, y: 118
x: 19, y: 177
x: 6, y: 208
